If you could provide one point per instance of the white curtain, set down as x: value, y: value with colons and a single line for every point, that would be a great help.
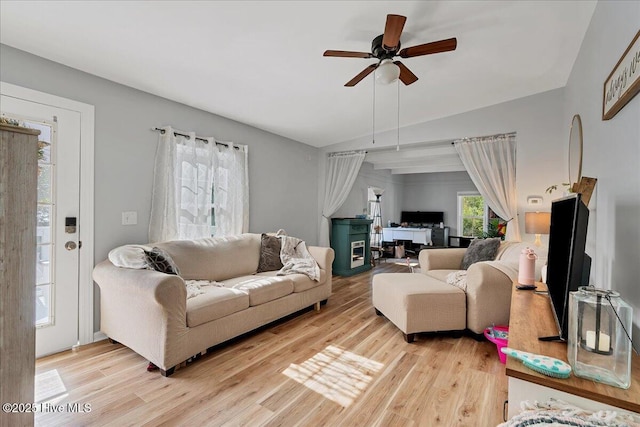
x: 231, y: 189
x: 342, y: 170
x: 491, y: 164
x: 183, y: 176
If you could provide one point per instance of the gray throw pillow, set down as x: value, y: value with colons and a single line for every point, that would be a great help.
x: 269, y: 254
x: 161, y: 261
x: 480, y: 250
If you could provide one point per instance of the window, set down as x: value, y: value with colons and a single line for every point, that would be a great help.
x: 476, y: 218
x: 472, y: 214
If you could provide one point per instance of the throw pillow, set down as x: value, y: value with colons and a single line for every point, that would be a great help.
x: 129, y: 256
x: 480, y: 250
x: 269, y: 254
x: 160, y: 260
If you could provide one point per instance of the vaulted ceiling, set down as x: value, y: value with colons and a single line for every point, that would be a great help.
x: 261, y: 62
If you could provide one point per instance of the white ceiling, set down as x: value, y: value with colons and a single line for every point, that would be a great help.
x: 261, y: 62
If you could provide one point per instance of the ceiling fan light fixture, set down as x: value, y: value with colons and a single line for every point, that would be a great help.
x: 387, y: 72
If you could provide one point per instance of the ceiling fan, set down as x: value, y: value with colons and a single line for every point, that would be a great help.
x: 386, y: 46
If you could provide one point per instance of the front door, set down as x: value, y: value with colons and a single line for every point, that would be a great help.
x: 57, y: 259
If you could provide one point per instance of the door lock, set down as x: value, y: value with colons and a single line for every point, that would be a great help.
x: 70, y: 245
x: 70, y: 224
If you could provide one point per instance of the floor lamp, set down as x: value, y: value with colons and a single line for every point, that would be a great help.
x: 376, y: 226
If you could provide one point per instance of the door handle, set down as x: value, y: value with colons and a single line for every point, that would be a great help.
x: 70, y: 245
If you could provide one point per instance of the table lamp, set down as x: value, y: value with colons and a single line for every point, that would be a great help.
x: 537, y: 223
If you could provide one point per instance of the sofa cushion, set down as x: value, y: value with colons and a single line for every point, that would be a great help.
x: 301, y: 282
x: 261, y: 289
x: 161, y: 261
x: 480, y: 250
x: 216, y: 302
x: 218, y: 258
x: 269, y: 254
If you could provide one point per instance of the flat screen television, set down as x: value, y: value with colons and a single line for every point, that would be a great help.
x: 566, y: 257
x: 417, y: 217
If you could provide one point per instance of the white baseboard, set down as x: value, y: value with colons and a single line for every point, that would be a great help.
x: 99, y: 336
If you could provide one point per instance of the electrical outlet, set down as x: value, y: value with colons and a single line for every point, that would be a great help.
x: 129, y: 218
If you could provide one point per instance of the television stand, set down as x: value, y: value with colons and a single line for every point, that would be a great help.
x: 530, y: 318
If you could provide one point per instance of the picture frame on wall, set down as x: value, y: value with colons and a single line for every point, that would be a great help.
x: 624, y: 81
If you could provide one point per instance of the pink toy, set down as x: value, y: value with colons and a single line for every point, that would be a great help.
x: 527, y: 267
x: 499, y: 335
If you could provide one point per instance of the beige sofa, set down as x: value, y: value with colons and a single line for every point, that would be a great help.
x: 149, y: 312
x: 488, y: 283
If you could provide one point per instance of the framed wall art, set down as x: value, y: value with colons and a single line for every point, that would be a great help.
x: 624, y: 81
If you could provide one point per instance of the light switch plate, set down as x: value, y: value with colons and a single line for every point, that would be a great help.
x: 129, y: 218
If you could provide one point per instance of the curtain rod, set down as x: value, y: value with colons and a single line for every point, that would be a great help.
x: 345, y: 153
x: 175, y: 133
x: 485, y: 136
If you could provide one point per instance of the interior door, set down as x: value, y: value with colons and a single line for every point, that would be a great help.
x: 57, y: 260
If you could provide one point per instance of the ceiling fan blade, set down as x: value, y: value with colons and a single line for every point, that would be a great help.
x: 392, y: 31
x: 364, y: 73
x: 429, y: 48
x: 347, y: 54
x: 406, y: 76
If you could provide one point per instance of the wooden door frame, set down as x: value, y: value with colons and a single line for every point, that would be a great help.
x: 87, y: 164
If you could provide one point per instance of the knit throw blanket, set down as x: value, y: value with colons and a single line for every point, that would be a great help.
x: 194, y: 287
x: 558, y: 413
x: 295, y: 257
x: 458, y: 279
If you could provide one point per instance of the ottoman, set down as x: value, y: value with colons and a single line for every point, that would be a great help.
x: 419, y: 303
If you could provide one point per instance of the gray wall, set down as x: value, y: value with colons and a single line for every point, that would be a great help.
x: 390, y: 201
x: 611, y: 153
x: 283, y: 173
x: 542, y: 136
x: 411, y: 192
x: 436, y: 192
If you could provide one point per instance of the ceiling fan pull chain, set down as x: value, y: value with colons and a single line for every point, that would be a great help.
x: 398, y: 131
x: 373, y: 134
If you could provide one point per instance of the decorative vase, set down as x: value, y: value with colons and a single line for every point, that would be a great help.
x: 599, y: 345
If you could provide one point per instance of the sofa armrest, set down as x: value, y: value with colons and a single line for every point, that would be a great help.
x: 441, y: 259
x: 144, y: 310
x: 323, y: 256
x: 488, y: 297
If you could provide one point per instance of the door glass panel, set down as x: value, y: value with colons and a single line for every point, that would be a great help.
x: 44, y: 128
x: 44, y: 183
x: 43, y: 264
x: 43, y: 229
x: 43, y: 305
x: 45, y: 235
x: 44, y: 152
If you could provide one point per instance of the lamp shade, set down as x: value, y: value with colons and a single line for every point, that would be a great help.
x: 537, y: 222
x: 373, y: 193
x: 387, y: 72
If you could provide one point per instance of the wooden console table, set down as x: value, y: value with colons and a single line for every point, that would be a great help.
x: 530, y: 318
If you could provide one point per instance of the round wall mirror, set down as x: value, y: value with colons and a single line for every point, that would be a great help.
x: 575, y: 152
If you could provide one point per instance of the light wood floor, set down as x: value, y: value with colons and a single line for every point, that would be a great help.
x: 342, y: 366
